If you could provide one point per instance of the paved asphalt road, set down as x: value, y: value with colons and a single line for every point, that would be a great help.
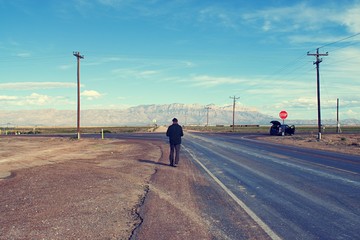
x: 297, y: 193
x: 294, y: 193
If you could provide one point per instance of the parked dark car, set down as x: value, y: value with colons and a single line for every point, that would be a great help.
x: 277, y: 129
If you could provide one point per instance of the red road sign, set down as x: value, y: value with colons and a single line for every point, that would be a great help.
x: 283, y: 115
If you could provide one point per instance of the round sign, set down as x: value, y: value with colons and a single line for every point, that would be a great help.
x: 283, y: 115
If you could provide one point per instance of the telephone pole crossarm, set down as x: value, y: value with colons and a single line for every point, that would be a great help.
x: 317, y: 55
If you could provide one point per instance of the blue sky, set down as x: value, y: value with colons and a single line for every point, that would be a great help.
x: 161, y: 51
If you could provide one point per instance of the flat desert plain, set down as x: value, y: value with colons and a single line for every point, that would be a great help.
x: 60, y: 188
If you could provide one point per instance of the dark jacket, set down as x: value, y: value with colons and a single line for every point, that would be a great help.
x: 175, y: 132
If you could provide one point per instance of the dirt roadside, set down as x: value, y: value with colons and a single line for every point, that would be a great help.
x: 343, y: 143
x: 59, y: 188
x: 170, y: 209
x: 182, y: 204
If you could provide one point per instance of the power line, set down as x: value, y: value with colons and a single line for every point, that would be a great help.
x: 290, y: 63
x: 302, y: 56
x: 341, y: 40
x: 292, y: 66
x: 345, y: 46
x: 295, y: 65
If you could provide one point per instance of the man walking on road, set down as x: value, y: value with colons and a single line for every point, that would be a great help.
x: 174, y: 132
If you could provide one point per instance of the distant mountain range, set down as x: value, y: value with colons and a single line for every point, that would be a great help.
x: 188, y: 114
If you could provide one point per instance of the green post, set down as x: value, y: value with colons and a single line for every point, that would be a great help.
x: 102, y: 133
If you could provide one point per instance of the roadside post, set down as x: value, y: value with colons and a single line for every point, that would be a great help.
x: 102, y: 133
x: 283, y: 115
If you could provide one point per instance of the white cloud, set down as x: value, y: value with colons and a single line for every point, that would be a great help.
x: 304, y: 107
x: 210, y: 81
x: 66, y: 66
x: 148, y: 73
x: 34, y: 99
x: 302, y: 102
x: 7, y: 98
x: 82, y: 6
x: 218, y: 16
x: 23, y: 55
x: 288, y: 19
x: 305, y: 17
x: 35, y: 85
x: 37, y: 99
x: 134, y: 74
x: 91, y: 94
x: 189, y: 64
x: 349, y: 64
x: 111, y: 3
x: 299, y: 39
x: 351, y: 114
x: 267, y: 26
x: 351, y: 19
x: 104, y: 60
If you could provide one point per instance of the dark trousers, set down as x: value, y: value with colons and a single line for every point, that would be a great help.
x: 174, y: 149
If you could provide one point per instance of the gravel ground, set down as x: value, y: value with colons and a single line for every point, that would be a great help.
x: 60, y: 188
x: 66, y: 189
x: 344, y: 143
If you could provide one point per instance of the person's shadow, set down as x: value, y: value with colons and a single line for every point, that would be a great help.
x: 152, y: 162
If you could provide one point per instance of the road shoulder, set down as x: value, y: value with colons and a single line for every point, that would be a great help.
x: 184, y: 203
x: 170, y: 209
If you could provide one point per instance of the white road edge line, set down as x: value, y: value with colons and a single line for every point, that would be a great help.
x: 263, y: 225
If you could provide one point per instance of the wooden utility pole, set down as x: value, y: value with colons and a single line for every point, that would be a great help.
x: 78, y: 56
x: 317, y: 62
x: 207, y: 115
x: 338, y: 129
x: 234, y: 98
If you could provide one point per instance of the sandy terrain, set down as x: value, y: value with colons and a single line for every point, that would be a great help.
x: 344, y: 143
x: 61, y: 188
x: 57, y: 188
